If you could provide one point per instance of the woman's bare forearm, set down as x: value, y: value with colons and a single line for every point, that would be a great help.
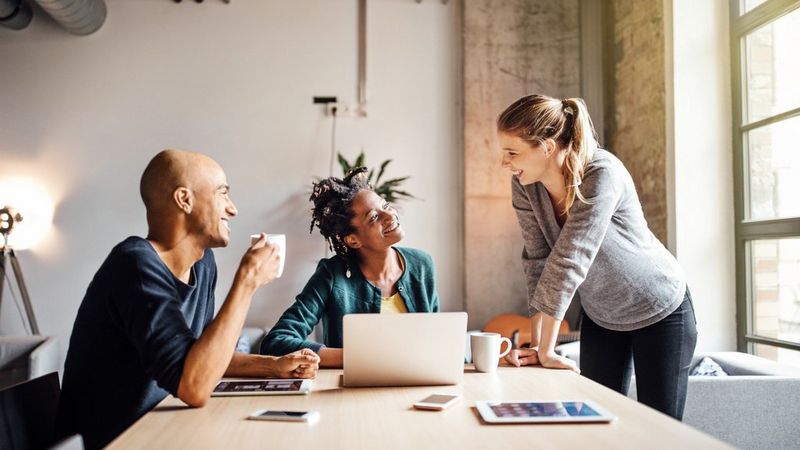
x: 548, y: 335
x: 536, y: 329
x: 247, y: 365
x: 331, y: 357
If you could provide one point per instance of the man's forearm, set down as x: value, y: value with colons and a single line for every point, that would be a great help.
x: 211, y: 354
x: 247, y: 365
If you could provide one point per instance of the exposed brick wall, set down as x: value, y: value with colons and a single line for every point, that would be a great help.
x: 511, y: 48
x: 636, y: 118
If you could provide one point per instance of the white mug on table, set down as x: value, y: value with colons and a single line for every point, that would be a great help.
x: 274, y: 239
x: 486, y: 350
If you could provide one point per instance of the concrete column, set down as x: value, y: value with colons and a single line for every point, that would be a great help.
x: 511, y: 49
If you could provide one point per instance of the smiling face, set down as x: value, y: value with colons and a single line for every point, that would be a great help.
x: 213, y: 207
x: 376, y: 224
x: 528, y: 163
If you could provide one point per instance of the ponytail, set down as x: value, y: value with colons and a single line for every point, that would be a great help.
x: 535, y: 118
x: 581, y: 143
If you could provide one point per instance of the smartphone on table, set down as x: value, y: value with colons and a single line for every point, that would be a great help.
x: 437, y: 402
x: 285, y: 416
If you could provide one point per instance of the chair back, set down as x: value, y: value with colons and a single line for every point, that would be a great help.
x: 28, y: 413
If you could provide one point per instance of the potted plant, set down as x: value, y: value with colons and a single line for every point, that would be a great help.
x: 389, y: 189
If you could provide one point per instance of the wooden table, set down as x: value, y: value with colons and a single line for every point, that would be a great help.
x: 383, y: 418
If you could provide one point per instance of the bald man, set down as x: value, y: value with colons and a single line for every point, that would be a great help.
x: 146, y: 328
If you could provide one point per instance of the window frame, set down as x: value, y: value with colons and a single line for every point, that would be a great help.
x: 747, y: 230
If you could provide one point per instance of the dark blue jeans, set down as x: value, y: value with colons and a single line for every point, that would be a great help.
x: 661, y: 353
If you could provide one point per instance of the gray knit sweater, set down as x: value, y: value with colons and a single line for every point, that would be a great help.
x: 625, y: 278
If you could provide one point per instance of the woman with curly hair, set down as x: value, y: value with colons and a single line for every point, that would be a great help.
x: 368, y: 273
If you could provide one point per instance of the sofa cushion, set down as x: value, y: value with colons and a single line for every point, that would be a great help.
x: 250, y: 340
x: 742, y: 364
x: 571, y: 350
x: 707, y: 367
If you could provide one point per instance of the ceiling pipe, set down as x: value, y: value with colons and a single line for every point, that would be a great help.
x: 15, y: 14
x: 79, y: 17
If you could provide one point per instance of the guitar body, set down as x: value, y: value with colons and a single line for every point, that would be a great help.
x: 518, y: 329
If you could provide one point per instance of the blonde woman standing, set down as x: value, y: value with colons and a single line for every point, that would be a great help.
x: 584, y: 232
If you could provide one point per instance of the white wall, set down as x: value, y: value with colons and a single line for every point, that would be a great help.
x: 699, y: 137
x: 84, y: 115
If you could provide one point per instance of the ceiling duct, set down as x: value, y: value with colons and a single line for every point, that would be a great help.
x: 15, y: 14
x: 80, y: 17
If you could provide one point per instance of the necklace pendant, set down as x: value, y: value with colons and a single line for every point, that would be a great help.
x: 347, y: 274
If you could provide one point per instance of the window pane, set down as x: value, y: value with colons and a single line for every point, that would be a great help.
x: 773, y: 68
x: 749, y: 5
x: 776, y: 288
x: 781, y: 355
x: 774, y: 169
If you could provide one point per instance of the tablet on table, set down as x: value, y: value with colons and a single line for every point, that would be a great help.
x: 528, y: 411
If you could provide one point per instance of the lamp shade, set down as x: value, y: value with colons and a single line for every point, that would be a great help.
x: 36, y: 206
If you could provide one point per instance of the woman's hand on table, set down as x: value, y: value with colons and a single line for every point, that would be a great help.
x: 523, y: 357
x: 531, y: 356
x: 555, y: 361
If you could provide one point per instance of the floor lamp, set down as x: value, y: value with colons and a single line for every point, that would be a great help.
x: 8, y: 218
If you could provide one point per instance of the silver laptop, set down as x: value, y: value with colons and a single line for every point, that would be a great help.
x: 415, y: 349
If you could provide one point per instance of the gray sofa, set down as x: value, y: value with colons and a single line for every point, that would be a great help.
x: 755, y: 407
x: 26, y: 357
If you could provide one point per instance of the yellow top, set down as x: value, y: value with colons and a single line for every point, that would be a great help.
x: 395, y: 303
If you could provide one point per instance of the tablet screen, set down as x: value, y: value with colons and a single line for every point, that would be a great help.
x: 543, y: 409
x: 244, y: 386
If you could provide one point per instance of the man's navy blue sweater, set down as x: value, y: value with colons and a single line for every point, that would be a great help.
x: 131, y: 337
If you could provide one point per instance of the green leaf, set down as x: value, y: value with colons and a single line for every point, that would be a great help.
x: 395, y: 181
x: 360, y: 160
x: 404, y: 194
x: 345, y: 165
x: 380, y: 172
x: 369, y: 176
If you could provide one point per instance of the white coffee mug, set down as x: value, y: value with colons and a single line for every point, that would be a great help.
x: 274, y: 239
x: 486, y: 350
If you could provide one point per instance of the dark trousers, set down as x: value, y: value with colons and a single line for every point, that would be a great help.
x: 661, y: 354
